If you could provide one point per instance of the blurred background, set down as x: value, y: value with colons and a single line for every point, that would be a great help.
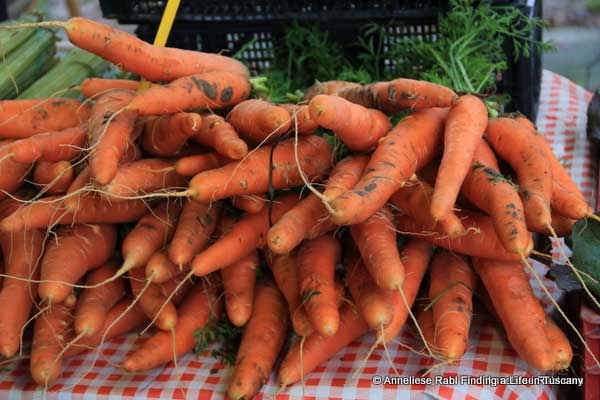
x: 574, y: 29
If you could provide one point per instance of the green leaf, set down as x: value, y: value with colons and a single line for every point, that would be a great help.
x: 585, y: 237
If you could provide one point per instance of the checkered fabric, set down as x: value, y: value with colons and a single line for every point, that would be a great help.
x: 561, y: 120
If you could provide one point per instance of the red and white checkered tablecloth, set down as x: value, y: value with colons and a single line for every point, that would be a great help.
x: 561, y: 118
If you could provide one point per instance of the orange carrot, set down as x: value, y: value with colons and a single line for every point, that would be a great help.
x: 199, y: 306
x: 25, y: 118
x: 395, y: 95
x: 316, y: 349
x: 161, y: 269
x: 424, y: 318
x: 301, y: 119
x: 21, y: 253
x: 12, y: 173
x: 150, y: 234
x: 164, y: 136
x: 415, y: 257
x: 51, y: 332
x: 49, y: 211
x: 210, y: 90
x: 451, y: 290
x: 373, y: 302
x: 520, y: 311
x: 463, y: 130
x: 562, y: 226
x: 412, y: 144
x: 251, y: 203
x: 86, y: 247
x: 218, y: 134
x: 376, y: 241
x: 262, y: 170
x: 257, y: 121
x: 50, y: 146
x: 196, y: 224
x: 328, y: 87
x: 561, y: 348
x: 262, y: 341
x: 94, y: 304
x: 284, y: 271
x: 414, y: 199
x: 131, y: 54
x: 238, y: 286
x: 316, y: 262
x: 358, y: 127
x: 109, y: 134
x: 248, y: 234
x: 480, y: 241
x: 193, y: 165
x: 487, y: 189
x: 92, y: 87
x: 53, y: 177
x: 142, y: 177
x: 515, y: 144
x: 309, y: 219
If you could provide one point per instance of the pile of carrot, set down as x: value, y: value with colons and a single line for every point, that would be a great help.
x: 157, y: 208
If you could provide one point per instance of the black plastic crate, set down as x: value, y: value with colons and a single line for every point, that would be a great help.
x: 226, y: 26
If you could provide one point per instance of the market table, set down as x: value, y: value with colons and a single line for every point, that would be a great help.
x: 561, y: 119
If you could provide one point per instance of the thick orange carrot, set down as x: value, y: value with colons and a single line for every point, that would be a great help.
x: 285, y: 272
x: 92, y: 87
x: 358, y: 127
x: 267, y: 167
x: 238, y: 287
x: 161, y: 269
x: 262, y: 341
x: 257, y: 120
x: 196, y: 224
x: 21, y: 253
x: 131, y: 54
x: 152, y: 301
x: 414, y: 199
x: 127, y: 321
x: 561, y: 348
x: 198, y: 308
x: 248, y: 234
x: 316, y: 263
x: 142, y: 177
x: 51, y: 332
x: 452, y: 282
x: 49, y: 211
x: 376, y: 241
x: 301, y: 119
x: 193, y: 165
x: 94, y: 304
x: 328, y: 87
x: 50, y: 146
x: 398, y: 94
x: 12, y: 173
x: 520, y: 311
x: 309, y: 219
x: 164, y: 136
x: 373, y: 302
x: 210, y: 90
x: 218, y: 134
x: 463, y: 130
x: 53, y: 177
x: 250, y: 203
x: 150, y: 234
x: 412, y: 144
x: 515, y: 144
x: 316, y: 349
x: 109, y: 134
x: 415, y: 257
x: 24, y: 118
x: 491, y: 192
x: 85, y: 247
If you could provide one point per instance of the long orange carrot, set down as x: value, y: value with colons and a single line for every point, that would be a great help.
x: 262, y: 341
x: 238, y: 287
x: 85, y: 247
x: 218, y: 134
x: 50, y: 146
x: 193, y: 165
x: 464, y: 128
x: 412, y: 144
x: 258, y: 120
x: 269, y: 166
x: 92, y: 87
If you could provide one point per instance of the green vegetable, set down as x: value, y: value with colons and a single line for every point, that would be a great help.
x: 11, y: 40
x: 228, y: 335
x: 585, y: 239
x: 70, y: 71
